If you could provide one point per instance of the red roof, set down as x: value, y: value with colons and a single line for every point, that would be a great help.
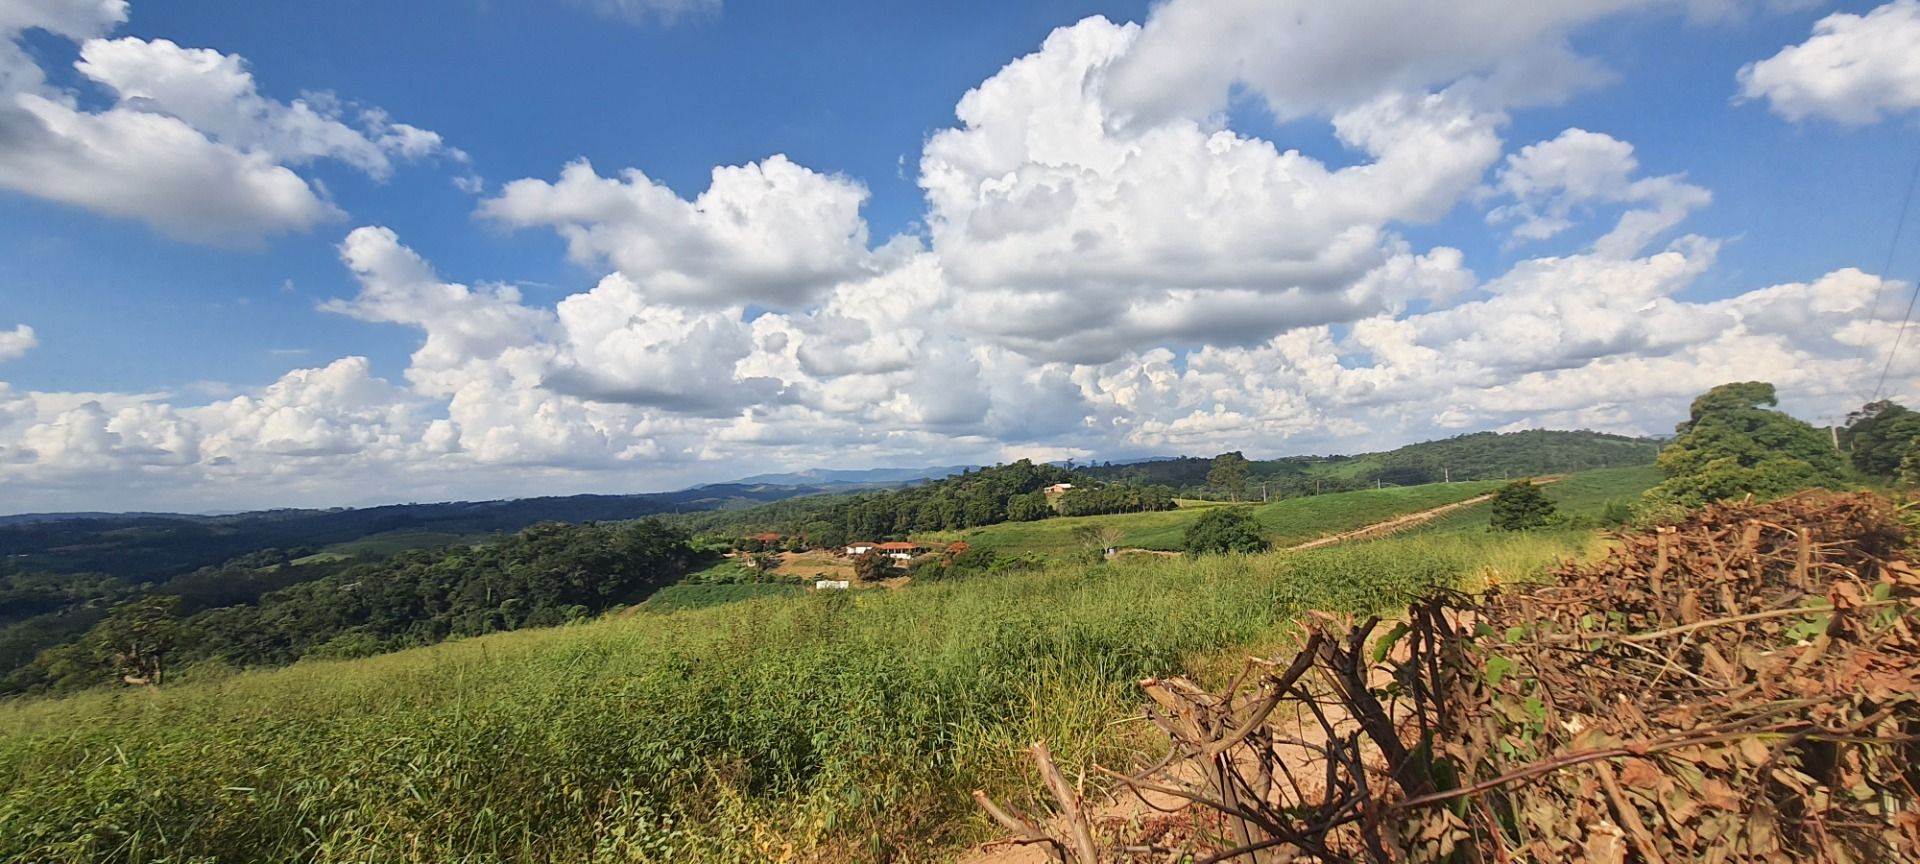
x: 897, y: 546
x: 765, y: 536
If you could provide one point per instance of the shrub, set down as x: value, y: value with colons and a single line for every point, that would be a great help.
x: 1521, y: 505
x: 1224, y: 529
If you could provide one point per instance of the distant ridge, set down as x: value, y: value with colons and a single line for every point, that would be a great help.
x: 813, y: 476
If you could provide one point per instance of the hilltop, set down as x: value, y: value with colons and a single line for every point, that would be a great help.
x: 1478, y: 456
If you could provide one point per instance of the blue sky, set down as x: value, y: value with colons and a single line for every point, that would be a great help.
x: 906, y: 287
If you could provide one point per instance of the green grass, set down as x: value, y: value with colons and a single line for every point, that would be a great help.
x: 683, y: 596
x: 850, y: 725
x: 1582, y: 496
x: 319, y: 558
x: 1287, y: 522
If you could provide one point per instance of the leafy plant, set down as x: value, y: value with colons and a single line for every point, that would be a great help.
x: 1224, y: 529
x: 1521, y: 505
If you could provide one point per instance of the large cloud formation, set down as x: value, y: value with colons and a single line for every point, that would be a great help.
x: 189, y: 145
x: 1108, y: 268
x: 1855, y: 69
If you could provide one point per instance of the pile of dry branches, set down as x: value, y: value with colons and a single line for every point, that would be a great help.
x: 1742, y: 687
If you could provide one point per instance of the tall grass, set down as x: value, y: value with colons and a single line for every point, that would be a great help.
x: 837, y: 726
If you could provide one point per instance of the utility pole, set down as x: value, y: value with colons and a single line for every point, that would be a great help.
x: 1446, y: 473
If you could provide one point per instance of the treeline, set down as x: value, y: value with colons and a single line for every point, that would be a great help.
x: 545, y: 575
x: 1115, y: 498
x: 157, y: 547
x: 1478, y: 456
x: 1003, y: 493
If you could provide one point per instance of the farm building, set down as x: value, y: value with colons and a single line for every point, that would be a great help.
x: 860, y: 547
x: 1059, y: 488
x: 898, y: 550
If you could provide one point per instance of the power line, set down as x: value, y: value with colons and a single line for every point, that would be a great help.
x: 1886, y: 268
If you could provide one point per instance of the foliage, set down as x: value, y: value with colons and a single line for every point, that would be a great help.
x: 1115, y: 498
x: 966, y: 500
x: 1224, y: 529
x: 157, y: 547
x: 544, y: 575
x: 1228, y: 475
x: 1880, y: 437
x: 1028, y: 506
x: 1479, y: 456
x: 872, y: 567
x: 848, y: 728
x: 1730, y: 446
x: 1520, y: 505
x: 136, y: 638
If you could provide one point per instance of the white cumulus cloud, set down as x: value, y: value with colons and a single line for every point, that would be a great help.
x: 188, y: 146
x: 1854, y: 69
x: 15, y: 343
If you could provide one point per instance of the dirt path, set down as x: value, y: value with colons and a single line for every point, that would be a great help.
x: 1405, y: 520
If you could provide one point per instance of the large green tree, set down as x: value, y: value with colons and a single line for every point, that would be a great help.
x: 1224, y: 529
x: 1880, y: 436
x: 1733, y: 444
x: 137, y: 637
x: 1520, y: 505
x: 1229, y: 474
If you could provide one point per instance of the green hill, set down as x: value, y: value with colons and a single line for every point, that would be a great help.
x: 1294, y: 520
x: 1479, y: 456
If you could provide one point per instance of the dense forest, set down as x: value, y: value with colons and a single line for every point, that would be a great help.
x: 1015, y: 492
x: 75, y: 632
x: 143, y: 547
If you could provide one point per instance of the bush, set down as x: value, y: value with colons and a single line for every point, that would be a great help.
x: 1224, y: 529
x: 872, y: 567
x: 1520, y: 505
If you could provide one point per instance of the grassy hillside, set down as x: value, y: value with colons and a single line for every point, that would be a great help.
x: 1479, y: 456
x: 1583, y: 497
x: 826, y: 727
x: 1287, y: 522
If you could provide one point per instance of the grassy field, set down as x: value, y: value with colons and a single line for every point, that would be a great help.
x: 827, y: 727
x: 1585, y: 495
x: 1287, y: 522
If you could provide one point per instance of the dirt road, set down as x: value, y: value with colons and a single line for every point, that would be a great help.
x: 1405, y: 521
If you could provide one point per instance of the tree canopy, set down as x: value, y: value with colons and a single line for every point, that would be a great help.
x: 1733, y: 445
x: 1520, y: 505
x: 1225, y: 529
x: 1880, y: 436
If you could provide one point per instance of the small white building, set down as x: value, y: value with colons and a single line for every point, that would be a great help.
x: 829, y: 584
x: 860, y: 547
x: 1059, y: 488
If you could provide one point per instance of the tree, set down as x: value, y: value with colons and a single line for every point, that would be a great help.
x: 1028, y: 507
x: 1224, y: 529
x: 137, y: 637
x: 1731, y: 446
x: 1520, y: 505
x: 1880, y: 436
x: 1229, y: 474
x: 872, y: 567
